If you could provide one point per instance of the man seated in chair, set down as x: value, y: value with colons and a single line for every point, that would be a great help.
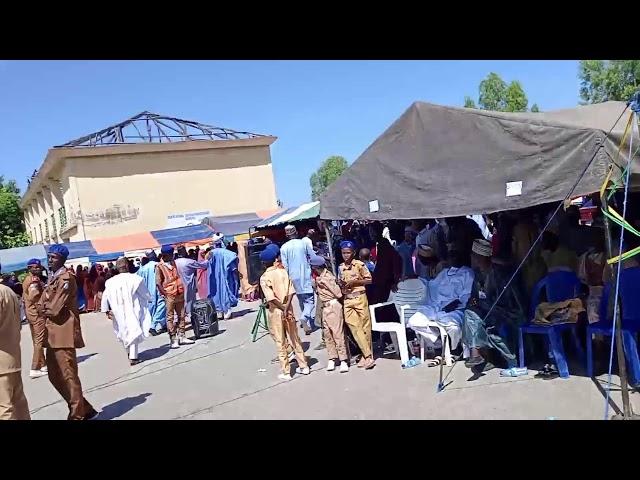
x: 492, y: 276
x: 447, y: 297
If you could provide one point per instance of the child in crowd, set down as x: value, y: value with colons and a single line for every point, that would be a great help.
x: 278, y: 292
x: 329, y: 295
x: 354, y: 276
x: 365, y: 257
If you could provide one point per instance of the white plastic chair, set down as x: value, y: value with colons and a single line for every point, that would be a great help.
x: 448, y: 359
x: 396, y: 329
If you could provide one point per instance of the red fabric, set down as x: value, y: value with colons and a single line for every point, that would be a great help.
x: 89, y: 294
x: 202, y: 279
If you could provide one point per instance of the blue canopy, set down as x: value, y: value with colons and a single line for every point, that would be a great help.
x: 14, y: 259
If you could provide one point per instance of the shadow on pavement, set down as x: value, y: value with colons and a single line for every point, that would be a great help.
x: 602, y: 391
x: 82, y: 358
x: 153, y: 353
x: 119, y: 408
x: 242, y: 313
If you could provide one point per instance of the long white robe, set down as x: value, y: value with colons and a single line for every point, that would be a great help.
x: 127, y: 296
x: 450, y: 284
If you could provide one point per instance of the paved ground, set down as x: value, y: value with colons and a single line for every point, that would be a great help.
x: 220, y: 378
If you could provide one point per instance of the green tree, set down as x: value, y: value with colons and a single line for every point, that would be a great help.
x: 469, y: 103
x: 12, y: 231
x: 604, y: 80
x: 497, y: 95
x: 515, y: 98
x: 328, y: 172
x: 493, y: 91
x: 534, y: 108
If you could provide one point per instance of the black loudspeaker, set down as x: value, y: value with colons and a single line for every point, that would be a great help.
x: 255, y: 268
x: 203, y: 318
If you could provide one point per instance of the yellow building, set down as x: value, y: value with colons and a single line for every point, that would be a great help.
x: 149, y: 172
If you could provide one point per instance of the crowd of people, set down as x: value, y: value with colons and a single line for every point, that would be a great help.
x: 150, y: 298
x: 471, y: 277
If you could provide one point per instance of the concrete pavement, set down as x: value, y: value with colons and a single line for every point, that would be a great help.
x: 221, y: 378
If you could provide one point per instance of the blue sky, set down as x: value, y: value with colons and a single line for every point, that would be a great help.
x: 315, y: 108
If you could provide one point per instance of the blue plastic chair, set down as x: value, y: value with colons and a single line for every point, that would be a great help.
x: 630, y: 298
x: 559, y: 286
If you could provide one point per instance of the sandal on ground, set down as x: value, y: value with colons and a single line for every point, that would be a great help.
x: 474, y: 361
x: 435, y: 362
x: 514, y: 372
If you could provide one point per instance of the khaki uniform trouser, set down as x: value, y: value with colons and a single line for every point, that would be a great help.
x: 38, y: 334
x: 281, y: 330
x: 13, y: 403
x: 356, y: 316
x: 62, y: 364
x: 175, y: 305
x: 333, y: 331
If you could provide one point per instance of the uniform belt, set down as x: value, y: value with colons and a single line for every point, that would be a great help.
x: 333, y: 301
x: 353, y: 295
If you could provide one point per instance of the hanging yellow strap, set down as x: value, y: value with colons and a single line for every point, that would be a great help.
x: 611, y: 213
x: 627, y: 129
x: 624, y: 256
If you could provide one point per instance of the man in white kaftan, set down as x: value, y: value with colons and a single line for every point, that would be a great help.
x: 125, y: 300
x: 447, y: 297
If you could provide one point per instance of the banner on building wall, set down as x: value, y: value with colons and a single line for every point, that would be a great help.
x: 185, y: 219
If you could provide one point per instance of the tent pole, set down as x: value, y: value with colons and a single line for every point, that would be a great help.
x: 622, y: 365
x: 327, y: 232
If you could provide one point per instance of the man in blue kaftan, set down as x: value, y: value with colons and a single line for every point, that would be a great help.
x: 157, y: 307
x: 224, y: 282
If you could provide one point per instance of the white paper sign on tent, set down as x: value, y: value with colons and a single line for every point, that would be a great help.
x: 374, y: 206
x: 514, y: 189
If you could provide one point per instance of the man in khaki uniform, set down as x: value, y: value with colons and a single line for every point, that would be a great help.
x: 329, y: 295
x: 32, y: 288
x: 354, y: 275
x: 59, y: 306
x: 13, y: 404
x: 278, y: 292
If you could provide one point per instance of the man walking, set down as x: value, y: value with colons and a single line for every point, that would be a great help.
x: 156, y: 306
x: 171, y: 288
x: 32, y: 288
x: 13, y: 404
x: 295, y: 255
x: 125, y: 302
x: 59, y: 306
x: 188, y: 269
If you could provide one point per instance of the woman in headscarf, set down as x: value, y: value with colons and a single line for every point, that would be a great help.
x: 88, y: 285
x: 82, y: 300
x: 202, y: 278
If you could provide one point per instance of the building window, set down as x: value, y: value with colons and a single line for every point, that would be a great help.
x: 41, y: 236
x: 63, y: 217
x: 35, y: 235
x: 53, y: 225
x: 46, y: 229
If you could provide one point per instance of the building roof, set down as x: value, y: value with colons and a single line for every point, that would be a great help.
x: 147, y: 127
x: 146, y: 132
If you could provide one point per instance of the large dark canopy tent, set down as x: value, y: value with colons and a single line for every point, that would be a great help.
x: 438, y: 161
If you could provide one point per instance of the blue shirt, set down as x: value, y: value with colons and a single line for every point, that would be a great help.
x: 295, y: 256
x: 406, y: 253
